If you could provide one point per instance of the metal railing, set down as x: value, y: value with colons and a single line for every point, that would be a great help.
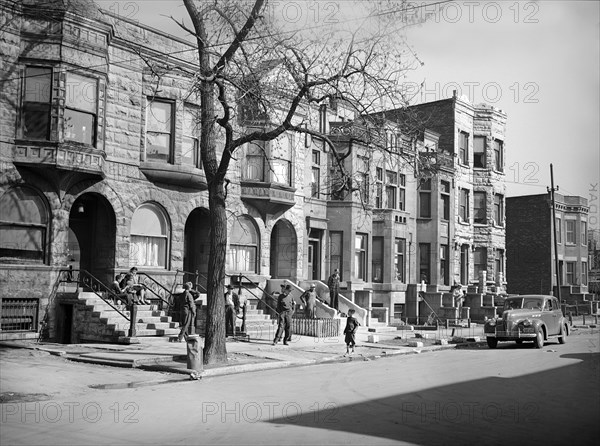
x: 157, y: 289
x: 261, y: 299
x: 19, y: 314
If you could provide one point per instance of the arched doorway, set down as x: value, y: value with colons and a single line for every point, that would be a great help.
x: 284, y: 251
x: 197, y: 245
x: 92, y: 235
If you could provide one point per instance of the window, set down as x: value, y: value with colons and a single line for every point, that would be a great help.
x: 479, y: 261
x: 399, y: 263
x: 281, y: 159
x: 425, y: 199
x: 584, y: 233
x: 499, y: 262
x: 499, y: 210
x: 242, y: 256
x: 315, y: 183
x: 379, y: 188
x: 570, y: 279
x: 159, y: 130
x: 398, y: 311
x: 190, y: 146
x: 23, y: 226
x: 463, y: 208
x: 445, y: 197
x: 570, y: 227
x: 81, y: 106
x: 377, y: 260
x: 479, y: 208
x: 37, y: 96
x: 498, y: 155
x: 558, y: 230
x: 464, y: 264
x: 424, y: 262
x: 402, y: 192
x: 444, y: 267
x: 335, y: 250
x: 479, y: 151
x: 584, y: 273
x: 463, y: 148
x: 149, y: 237
x: 255, y: 161
x: 391, y: 189
x: 363, y: 178
x: 360, y: 256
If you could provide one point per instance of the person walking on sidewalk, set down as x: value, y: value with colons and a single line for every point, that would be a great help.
x: 350, y: 331
x: 230, y: 299
x: 309, y: 301
x: 285, y: 308
x: 188, y: 313
x: 334, y: 288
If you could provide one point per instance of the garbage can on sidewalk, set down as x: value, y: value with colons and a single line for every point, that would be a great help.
x: 194, y: 352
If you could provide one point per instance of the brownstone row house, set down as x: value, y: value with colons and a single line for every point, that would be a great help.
x: 100, y: 170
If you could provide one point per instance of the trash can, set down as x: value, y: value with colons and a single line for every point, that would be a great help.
x: 194, y: 352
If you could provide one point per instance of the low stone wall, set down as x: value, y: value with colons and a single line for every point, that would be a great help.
x: 319, y: 328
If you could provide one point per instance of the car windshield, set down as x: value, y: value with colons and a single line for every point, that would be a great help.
x: 515, y: 303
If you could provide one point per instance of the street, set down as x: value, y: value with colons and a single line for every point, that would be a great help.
x: 513, y: 394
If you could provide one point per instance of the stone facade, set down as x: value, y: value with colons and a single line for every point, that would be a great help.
x: 81, y: 167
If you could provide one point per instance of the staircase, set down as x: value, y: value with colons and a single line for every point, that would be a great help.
x: 96, y: 321
x: 258, y: 324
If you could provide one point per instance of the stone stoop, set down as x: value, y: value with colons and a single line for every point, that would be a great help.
x: 376, y: 327
x: 258, y: 324
x: 105, y: 324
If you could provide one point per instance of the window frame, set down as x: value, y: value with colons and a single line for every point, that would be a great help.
x: 498, y: 150
x: 400, y: 259
x: 235, y: 250
x: 80, y: 111
x: 361, y: 254
x: 479, y: 156
x: 463, y: 206
x: 391, y: 189
x: 379, y: 188
x: 171, y: 133
x: 425, y: 199
x: 166, y: 237
x: 190, y: 134
x: 499, y: 210
x: 38, y: 108
x: 463, y: 148
x: 479, y: 260
x: 377, y: 259
x: 477, y: 219
x: 315, y: 184
x: 571, y: 232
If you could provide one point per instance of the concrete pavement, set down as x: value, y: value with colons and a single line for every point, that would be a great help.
x: 257, y: 353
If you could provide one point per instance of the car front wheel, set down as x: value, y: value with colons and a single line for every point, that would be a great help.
x: 492, y: 342
x: 539, y: 339
x: 562, y: 337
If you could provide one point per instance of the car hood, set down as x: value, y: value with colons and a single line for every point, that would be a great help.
x: 520, y: 313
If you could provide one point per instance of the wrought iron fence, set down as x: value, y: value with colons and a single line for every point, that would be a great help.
x: 19, y: 314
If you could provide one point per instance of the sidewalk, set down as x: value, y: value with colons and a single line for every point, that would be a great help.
x: 247, y: 355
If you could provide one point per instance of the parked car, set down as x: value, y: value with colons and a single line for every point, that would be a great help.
x: 534, y: 318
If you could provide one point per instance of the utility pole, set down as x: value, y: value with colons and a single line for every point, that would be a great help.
x: 551, y: 190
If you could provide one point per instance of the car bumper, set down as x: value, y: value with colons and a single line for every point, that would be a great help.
x: 512, y: 334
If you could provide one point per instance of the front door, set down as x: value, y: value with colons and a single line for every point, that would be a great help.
x: 314, y: 262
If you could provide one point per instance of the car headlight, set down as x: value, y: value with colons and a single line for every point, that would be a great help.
x: 526, y: 323
x: 492, y: 323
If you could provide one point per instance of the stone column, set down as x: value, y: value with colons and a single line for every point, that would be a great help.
x: 482, y: 281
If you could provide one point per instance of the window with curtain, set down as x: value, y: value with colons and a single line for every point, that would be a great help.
x: 479, y: 208
x: 23, y: 226
x: 149, y: 237
x: 399, y: 254
x: 242, y: 256
x: 479, y: 152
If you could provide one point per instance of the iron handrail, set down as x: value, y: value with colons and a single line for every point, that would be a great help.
x: 197, y: 275
x: 159, y: 285
x: 432, y: 310
x: 87, y: 279
x: 240, y: 276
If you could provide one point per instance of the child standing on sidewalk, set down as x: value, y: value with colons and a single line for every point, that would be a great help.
x: 350, y: 331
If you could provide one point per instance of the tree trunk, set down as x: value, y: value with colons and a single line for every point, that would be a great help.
x: 215, y: 350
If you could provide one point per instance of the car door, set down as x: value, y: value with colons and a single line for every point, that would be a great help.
x: 550, y: 317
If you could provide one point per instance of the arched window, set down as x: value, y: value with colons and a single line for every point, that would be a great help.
x: 149, y: 236
x: 23, y: 226
x: 243, y: 247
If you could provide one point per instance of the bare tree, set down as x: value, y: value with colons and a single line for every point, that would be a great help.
x: 258, y: 79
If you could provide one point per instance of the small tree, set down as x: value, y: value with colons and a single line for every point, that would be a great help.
x: 251, y: 69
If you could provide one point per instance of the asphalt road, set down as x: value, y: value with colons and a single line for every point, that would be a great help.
x: 510, y: 395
